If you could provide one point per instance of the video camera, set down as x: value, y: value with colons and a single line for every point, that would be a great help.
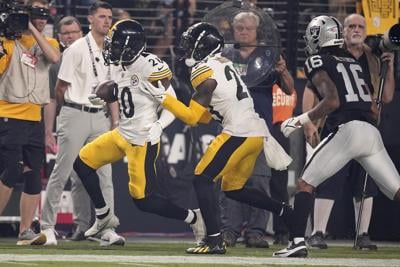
x: 14, y: 19
x: 388, y: 42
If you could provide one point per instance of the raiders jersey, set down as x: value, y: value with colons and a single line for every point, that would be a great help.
x: 352, y: 88
x: 138, y: 110
x: 231, y: 103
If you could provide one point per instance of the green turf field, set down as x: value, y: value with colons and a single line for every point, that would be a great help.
x: 137, y: 253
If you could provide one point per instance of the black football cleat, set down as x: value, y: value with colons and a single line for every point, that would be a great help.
x: 298, y: 250
x: 209, y: 245
x: 364, y: 243
x: 317, y: 241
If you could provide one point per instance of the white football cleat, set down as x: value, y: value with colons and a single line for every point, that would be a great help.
x: 110, y: 237
x: 298, y: 250
x: 50, y: 237
x: 110, y: 221
x: 28, y: 237
x: 199, y: 228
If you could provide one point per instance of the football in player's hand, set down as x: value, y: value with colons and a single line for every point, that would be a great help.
x: 107, y: 90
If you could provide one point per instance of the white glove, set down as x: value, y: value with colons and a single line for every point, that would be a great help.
x: 95, y: 100
x: 155, y: 133
x: 291, y: 124
x: 157, y: 92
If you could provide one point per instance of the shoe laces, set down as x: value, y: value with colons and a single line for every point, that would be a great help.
x: 28, y: 232
x: 212, y: 241
x: 317, y: 236
x: 364, y: 237
x: 57, y: 234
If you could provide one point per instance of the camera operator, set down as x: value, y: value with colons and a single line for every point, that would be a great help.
x: 354, y: 36
x: 24, y: 89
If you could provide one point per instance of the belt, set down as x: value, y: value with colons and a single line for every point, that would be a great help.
x: 82, y: 107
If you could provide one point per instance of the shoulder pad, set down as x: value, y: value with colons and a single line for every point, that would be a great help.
x: 315, y: 63
x: 156, y: 69
x: 200, y: 73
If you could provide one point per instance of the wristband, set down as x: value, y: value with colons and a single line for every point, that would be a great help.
x: 304, y: 118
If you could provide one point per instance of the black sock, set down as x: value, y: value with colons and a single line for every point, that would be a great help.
x: 91, y: 182
x: 303, y: 202
x: 194, y: 218
x: 207, y: 200
x: 161, y: 206
x: 256, y: 198
x: 101, y: 216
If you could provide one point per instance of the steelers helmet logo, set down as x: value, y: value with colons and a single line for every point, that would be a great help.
x: 134, y: 80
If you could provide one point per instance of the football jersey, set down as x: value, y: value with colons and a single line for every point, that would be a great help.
x: 138, y: 110
x: 352, y: 88
x: 231, y: 103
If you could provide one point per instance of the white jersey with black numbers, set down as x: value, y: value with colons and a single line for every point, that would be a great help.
x: 138, y: 111
x: 231, y: 103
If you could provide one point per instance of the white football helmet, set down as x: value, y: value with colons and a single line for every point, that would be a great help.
x: 323, y: 31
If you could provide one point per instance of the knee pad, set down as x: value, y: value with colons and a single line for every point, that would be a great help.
x: 11, y: 175
x: 32, y: 183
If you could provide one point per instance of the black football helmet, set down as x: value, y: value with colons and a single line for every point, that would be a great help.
x: 124, y: 42
x: 198, y: 42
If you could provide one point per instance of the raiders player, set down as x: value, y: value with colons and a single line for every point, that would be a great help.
x: 138, y: 134
x: 346, y: 101
x: 221, y: 94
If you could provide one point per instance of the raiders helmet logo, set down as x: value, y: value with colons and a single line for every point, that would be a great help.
x: 314, y: 32
x: 134, y: 80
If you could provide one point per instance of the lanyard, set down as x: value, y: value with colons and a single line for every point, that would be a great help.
x: 93, y: 60
x: 91, y: 56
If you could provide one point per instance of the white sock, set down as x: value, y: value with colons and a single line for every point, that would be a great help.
x: 297, y: 240
x: 102, y: 211
x: 322, y: 211
x: 217, y: 234
x: 190, y: 216
x: 366, y: 214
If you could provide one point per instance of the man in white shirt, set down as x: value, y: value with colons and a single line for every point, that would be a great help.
x: 80, y: 122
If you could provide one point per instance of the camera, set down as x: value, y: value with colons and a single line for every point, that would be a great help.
x: 14, y: 19
x: 388, y: 42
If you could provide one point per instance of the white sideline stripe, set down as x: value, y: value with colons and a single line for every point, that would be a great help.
x: 196, y: 259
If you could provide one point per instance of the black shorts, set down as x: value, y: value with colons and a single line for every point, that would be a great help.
x: 333, y: 187
x: 21, y: 144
